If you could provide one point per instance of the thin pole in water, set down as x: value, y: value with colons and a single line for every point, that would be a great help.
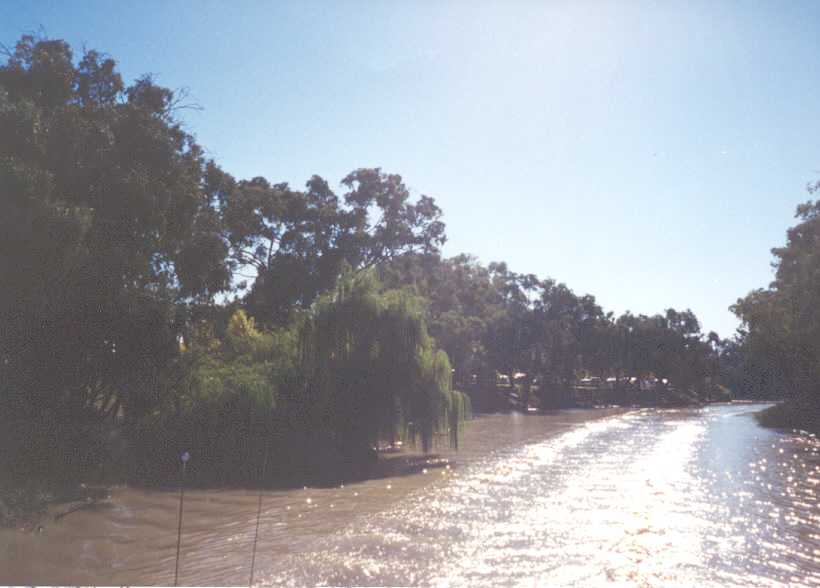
x: 258, y: 514
x: 184, y: 457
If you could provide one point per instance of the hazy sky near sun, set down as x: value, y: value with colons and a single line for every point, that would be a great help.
x: 649, y: 153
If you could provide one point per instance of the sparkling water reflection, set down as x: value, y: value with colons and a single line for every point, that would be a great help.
x: 651, y: 498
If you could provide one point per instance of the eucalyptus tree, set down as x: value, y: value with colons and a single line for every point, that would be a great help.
x: 294, y: 244
x: 781, y: 323
x: 669, y: 346
x: 510, y: 333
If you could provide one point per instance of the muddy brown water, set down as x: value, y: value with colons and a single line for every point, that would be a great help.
x: 690, y: 497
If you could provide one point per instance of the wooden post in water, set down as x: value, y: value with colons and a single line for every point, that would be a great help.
x: 259, y: 512
x: 184, y: 457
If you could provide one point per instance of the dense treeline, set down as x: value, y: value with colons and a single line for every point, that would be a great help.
x: 152, y: 303
x: 491, y: 320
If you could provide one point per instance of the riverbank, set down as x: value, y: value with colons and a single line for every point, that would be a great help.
x: 130, y: 538
x: 26, y: 508
x: 791, y: 415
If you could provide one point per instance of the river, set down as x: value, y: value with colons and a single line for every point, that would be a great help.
x: 689, y: 497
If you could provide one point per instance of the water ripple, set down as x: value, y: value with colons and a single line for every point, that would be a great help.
x: 656, y: 498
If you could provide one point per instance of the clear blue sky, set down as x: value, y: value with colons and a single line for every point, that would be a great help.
x: 649, y: 153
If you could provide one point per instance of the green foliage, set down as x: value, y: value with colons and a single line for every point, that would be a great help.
x: 492, y: 320
x: 461, y: 300
x: 298, y: 242
x: 246, y: 363
x: 780, y: 334
x: 223, y: 402
x: 369, y: 369
x: 101, y: 207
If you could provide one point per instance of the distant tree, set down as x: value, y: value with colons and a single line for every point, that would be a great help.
x: 461, y: 301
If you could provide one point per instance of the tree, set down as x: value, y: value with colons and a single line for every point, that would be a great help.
x: 370, y: 371
x: 231, y: 381
x: 295, y: 243
x: 461, y: 301
x: 782, y: 322
x: 105, y: 236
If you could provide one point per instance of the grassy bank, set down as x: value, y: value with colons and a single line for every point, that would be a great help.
x: 791, y: 415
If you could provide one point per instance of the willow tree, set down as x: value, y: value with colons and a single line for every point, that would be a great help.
x: 371, y: 372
